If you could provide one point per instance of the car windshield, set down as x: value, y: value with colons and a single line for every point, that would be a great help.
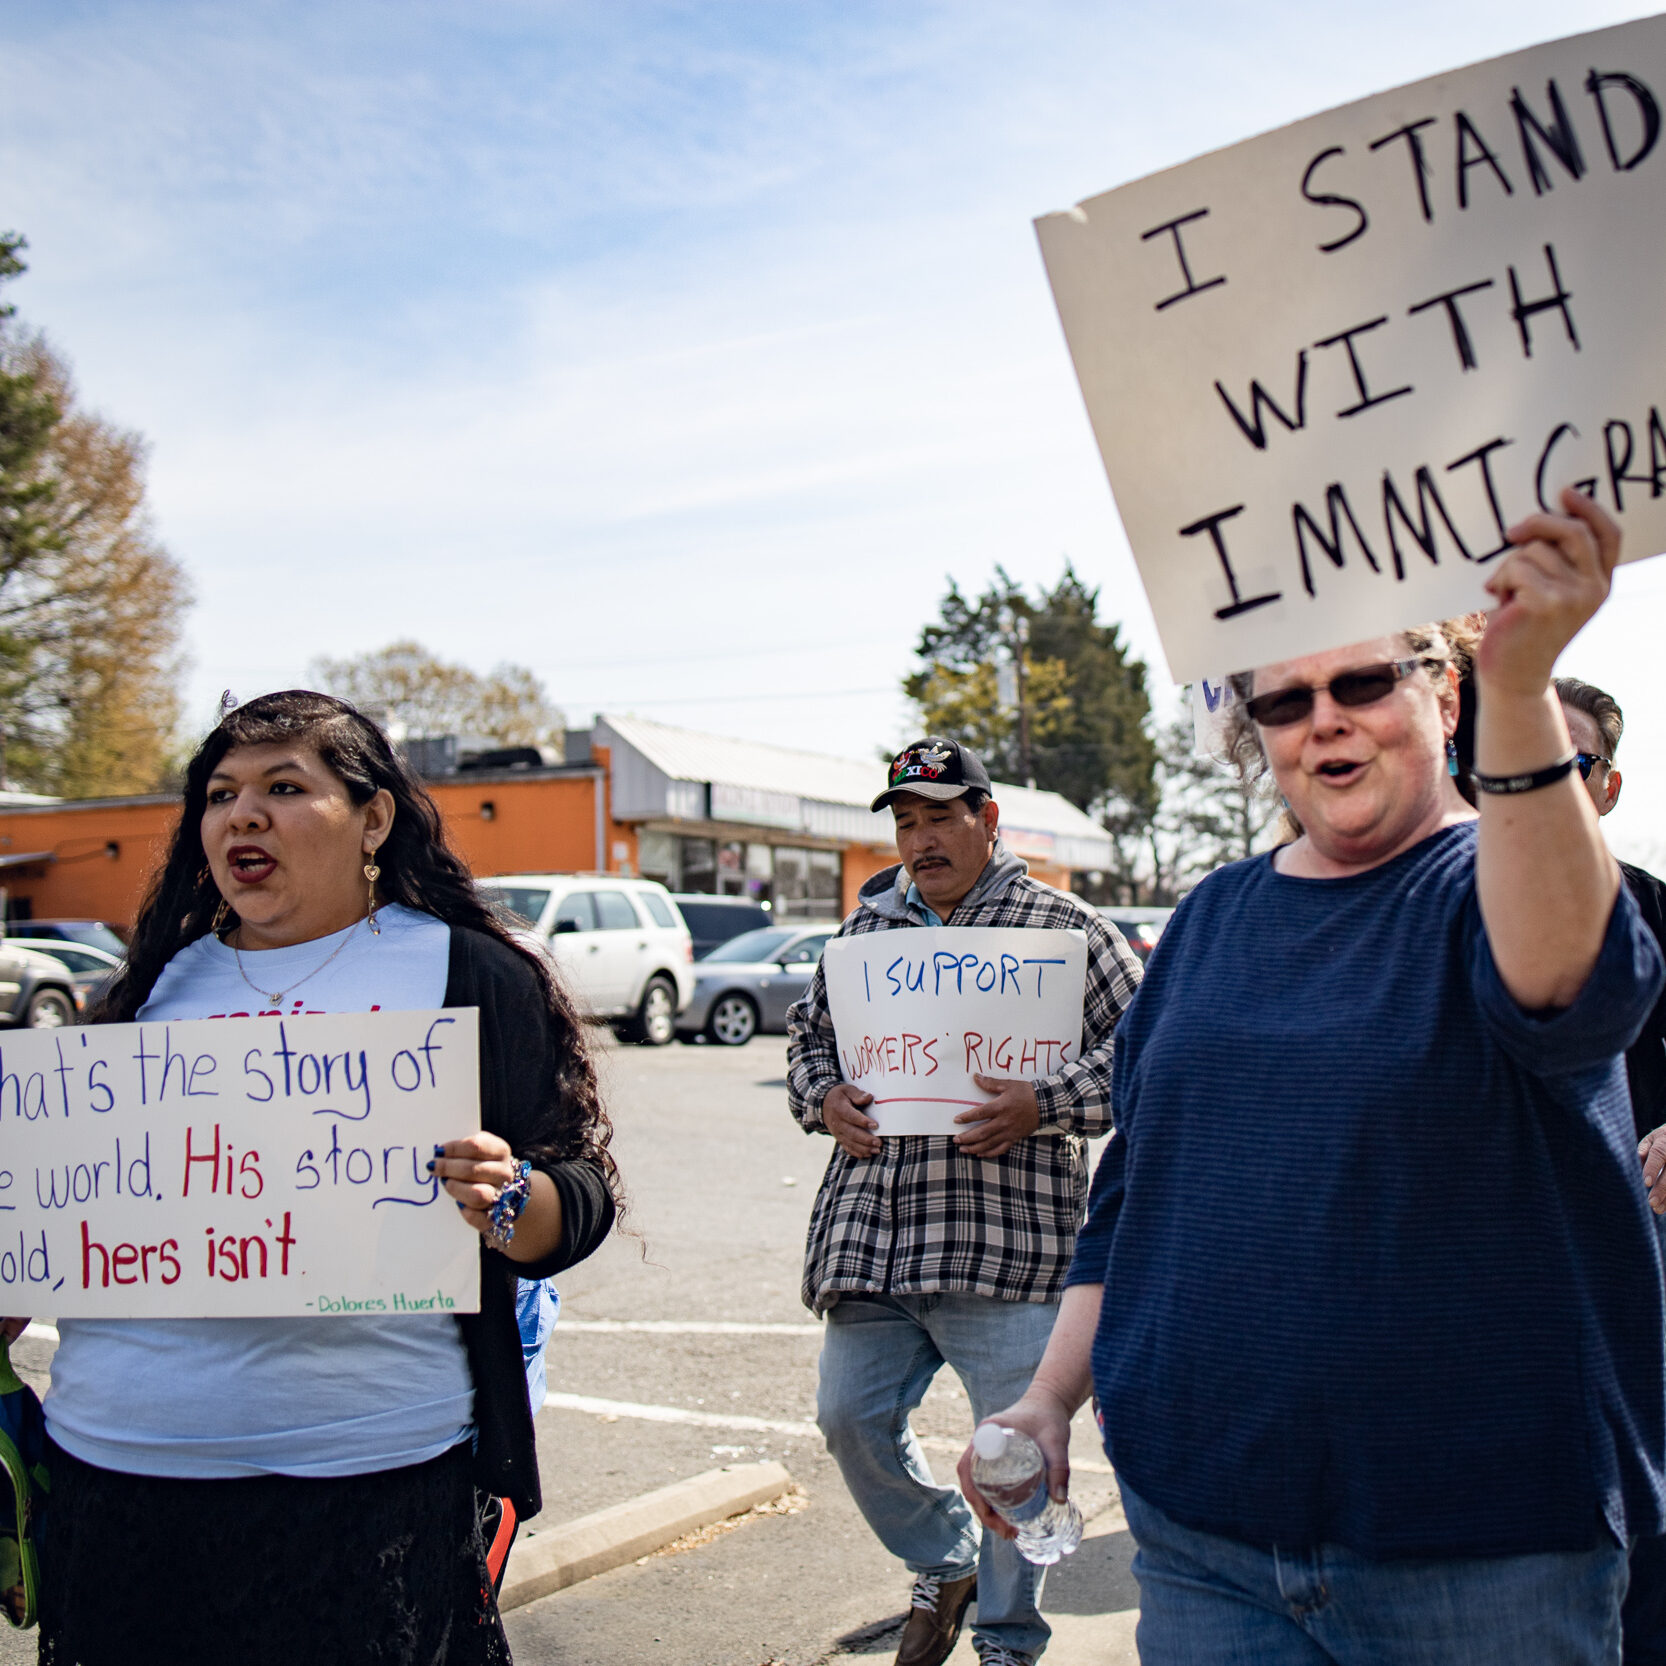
x: 719, y: 920
x: 94, y: 933
x: 753, y: 945
x: 525, y: 902
x: 76, y: 958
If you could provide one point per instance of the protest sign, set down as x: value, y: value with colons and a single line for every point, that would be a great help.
x: 1328, y: 367
x: 237, y: 1166
x: 918, y: 1014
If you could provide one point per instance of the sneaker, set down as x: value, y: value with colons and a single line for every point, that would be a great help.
x: 934, y: 1619
x: 995, y: 1655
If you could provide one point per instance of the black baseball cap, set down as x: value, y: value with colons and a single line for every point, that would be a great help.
x: 934, y: 768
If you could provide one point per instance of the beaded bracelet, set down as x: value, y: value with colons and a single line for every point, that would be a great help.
x: 507, y: 1210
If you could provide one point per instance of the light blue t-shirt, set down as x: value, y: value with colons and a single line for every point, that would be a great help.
x: 227, y: 1397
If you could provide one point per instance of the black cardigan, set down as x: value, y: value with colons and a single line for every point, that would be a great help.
x: 517, y: 1090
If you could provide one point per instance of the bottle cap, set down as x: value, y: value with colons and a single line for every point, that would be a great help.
x: 989, y: 1440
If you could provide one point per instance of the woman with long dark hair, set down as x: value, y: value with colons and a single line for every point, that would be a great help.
x: 305, y: 1489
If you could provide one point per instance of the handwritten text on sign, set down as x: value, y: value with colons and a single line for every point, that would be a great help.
x: 237, y: 1166
x: 918, y: 1014
x: 1328, y: 367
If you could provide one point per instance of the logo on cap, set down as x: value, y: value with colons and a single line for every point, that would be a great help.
x: 920, y: 762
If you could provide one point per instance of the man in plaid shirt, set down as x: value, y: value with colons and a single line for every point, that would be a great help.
x: 925, y: 1250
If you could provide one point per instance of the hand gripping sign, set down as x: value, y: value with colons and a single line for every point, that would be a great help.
x: 237, y: 1166
x: 1328, y: 367
x: 918, y: 1014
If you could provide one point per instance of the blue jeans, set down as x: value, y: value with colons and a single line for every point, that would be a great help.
x: 1209, y: 1601
x: 1644, y: 1615
x: 878, y: 1359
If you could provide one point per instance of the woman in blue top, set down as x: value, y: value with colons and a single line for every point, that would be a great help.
x: 304, y: 1490
x: 1368, y: 1292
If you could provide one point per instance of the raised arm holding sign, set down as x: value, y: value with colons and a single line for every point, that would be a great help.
x: 1329, y: 367
x: 1396, y: 1038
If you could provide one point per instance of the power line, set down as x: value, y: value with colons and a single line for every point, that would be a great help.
x: 732, y: 699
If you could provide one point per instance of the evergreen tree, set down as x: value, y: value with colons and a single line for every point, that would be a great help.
x: 1074, y: 719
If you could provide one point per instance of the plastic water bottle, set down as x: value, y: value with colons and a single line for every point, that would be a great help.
x: 1009, y: 1471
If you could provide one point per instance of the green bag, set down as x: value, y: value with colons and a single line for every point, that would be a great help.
x: 23, y: 1452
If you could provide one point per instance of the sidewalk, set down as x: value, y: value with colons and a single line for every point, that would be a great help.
x: 1089, y: 1599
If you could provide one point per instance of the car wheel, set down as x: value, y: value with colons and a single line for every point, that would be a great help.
x: 655, y: 1023
x: 734, y: 1021
x: 49, y: 1009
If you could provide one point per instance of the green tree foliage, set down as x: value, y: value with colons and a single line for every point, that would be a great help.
x: 1085, y: 704
x: 27, y: 417
x: 91, y: 606
x: 421, y: 695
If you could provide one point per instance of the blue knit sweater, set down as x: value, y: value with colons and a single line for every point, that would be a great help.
x: 1378, y: 1267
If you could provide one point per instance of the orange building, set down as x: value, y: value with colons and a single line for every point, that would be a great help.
x: 697, y: 812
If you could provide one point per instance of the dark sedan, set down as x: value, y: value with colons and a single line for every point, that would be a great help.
x: 744, y: 987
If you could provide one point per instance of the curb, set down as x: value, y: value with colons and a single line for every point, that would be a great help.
x: 561, y: 1556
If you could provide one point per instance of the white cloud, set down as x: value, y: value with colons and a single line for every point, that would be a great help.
x: 550, y: 331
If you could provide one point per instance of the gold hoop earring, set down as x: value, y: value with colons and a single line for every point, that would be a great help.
x: 373, y: 873
x: 223, y: 912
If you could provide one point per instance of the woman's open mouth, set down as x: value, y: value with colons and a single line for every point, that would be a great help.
x: 1339, y: 771
x: 250, y: 864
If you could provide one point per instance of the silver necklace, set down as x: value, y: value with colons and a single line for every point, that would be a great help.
x: 276, y: 997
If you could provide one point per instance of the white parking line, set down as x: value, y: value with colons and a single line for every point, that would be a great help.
x: 656, y: 1327
x: 755, y: 1425
x: 681, y: 1414
x: 687, y: 1327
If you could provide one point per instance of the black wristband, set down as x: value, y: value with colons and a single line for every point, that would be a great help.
x: 1524, y: 783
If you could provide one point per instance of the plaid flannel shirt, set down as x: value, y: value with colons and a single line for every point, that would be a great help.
x: 923, y: 1216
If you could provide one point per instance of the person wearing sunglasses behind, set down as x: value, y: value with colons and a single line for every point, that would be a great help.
x: 1368, y: 1291
x: 1596, y: 723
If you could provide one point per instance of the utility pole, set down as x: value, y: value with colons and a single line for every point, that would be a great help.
x: 1021, y: 636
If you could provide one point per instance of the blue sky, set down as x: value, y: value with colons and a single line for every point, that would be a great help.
x: 678, y: 351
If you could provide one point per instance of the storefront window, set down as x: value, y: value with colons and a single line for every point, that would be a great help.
x: 796, y: 883
x: 656, y: 855
x: 827, y: 883
x: 731, y: 868
x: 699, y: 866
x: 760, y: 874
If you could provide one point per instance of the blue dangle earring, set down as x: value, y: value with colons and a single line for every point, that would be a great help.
x: 1451, y: 757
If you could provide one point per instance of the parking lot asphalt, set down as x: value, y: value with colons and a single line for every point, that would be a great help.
x: 684, y: 1347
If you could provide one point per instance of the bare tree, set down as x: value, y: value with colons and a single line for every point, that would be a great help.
x: 1207, y: 814
x: 411, y: 689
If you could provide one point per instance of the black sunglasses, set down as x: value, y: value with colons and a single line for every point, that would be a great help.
x: 1361, y: 687
x: 1586, y: 759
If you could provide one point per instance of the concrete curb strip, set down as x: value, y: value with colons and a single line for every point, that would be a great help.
x: 557, y: 1557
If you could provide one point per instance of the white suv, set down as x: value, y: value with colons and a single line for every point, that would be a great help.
x: 619, y: 944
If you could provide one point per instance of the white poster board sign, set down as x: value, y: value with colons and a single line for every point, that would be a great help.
x: 1328, y: 367
x: 237, y: 1166
x: 919, y: 1013
x: 1212, y: 701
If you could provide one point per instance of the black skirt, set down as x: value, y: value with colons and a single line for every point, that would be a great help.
x: 272, y: 1570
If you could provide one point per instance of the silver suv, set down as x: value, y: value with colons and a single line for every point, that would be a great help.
x: 619, y: 944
